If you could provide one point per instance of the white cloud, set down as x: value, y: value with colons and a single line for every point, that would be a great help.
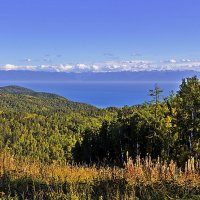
x: 28, y: 60
x: 112, y: 66
x: 185, y: 60
x: 8, y: 67
x: 172, y: 61
x: 95, y: 67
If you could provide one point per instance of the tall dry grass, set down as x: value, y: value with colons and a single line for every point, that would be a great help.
x: 139, y: 179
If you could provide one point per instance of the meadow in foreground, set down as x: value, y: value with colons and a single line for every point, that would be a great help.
x: 139, y: 179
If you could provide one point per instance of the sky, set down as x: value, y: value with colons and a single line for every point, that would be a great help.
x: 99, y: 35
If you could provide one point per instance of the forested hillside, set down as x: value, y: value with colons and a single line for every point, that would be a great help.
x: 49, y: 127
x: 46, y: 131
x: 15, y: 98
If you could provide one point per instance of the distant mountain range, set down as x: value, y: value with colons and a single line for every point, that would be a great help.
x: 145, y: 76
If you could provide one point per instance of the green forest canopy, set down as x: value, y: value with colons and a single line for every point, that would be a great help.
x: 50, y: 128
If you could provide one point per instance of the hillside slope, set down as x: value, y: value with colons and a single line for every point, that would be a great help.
x: 17, y: 98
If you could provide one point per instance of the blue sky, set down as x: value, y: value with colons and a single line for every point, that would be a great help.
x: 51, y: 32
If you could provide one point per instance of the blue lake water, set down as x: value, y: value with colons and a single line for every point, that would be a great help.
x: 101, y: 94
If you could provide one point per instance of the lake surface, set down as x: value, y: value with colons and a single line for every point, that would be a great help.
x: 100, y: 94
